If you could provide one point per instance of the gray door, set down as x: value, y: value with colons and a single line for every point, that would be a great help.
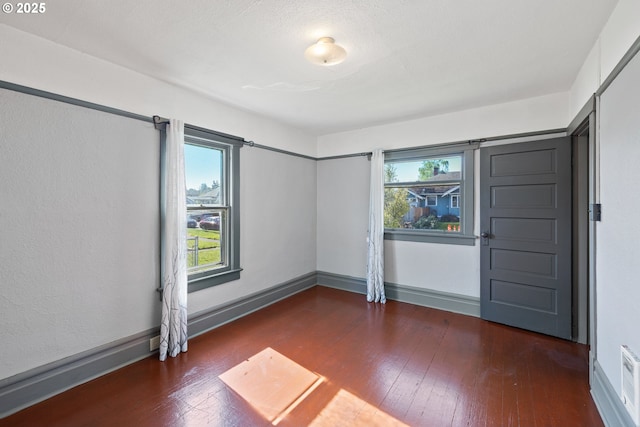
x: 525, y: 243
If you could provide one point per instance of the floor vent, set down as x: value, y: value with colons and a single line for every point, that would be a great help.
x: 631, y: 383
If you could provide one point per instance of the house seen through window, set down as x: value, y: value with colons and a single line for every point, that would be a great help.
x: 423, y: 194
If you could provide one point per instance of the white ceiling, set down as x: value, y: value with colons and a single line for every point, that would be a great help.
x: 406, y: 58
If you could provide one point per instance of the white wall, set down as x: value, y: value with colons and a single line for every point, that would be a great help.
x: 278, y: 225
x: 343, y: 215
x: 534, y: 114
x: 617, y: 36
x: 78, y: 225
x: 71, y: 301
x: 618, y: 234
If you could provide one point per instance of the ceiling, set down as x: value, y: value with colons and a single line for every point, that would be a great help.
x: 406, y: 58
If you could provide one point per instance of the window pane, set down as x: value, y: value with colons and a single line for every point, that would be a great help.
x: 206, y: 234
x: 429, y: 169
x: 207, y: 228
x: 203, y: 175
x: 426, y: 194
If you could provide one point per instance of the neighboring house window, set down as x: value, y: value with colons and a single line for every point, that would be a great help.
x: 213, y: 220
x: 419, y: 204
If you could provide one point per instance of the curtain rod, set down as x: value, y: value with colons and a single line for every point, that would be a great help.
x: 160, y: 122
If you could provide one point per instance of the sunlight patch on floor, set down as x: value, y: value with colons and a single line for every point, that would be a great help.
x: 275, y: 385
x: 272, y: 383
x: 348, y: 409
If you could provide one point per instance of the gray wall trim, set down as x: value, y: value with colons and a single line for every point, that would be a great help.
x: 628, y: 56
x: 278, y: 150
x: 73, y: 101
x: 33, y: 386
x: 30, y: 387
x: 609, y: 405
x: 456, y: 303
x: 346, y: 156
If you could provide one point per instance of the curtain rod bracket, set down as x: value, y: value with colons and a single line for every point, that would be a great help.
x: 159, y: 123
x: 250, y: 143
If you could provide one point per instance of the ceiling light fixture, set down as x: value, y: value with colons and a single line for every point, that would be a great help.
x: 325, y: 52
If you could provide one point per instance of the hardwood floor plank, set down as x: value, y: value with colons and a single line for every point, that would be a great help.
x: 393, y: 364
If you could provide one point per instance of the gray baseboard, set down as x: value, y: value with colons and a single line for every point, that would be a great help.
x: 33, y: 386
x: 425, y: 297
x: 611, y: 408
x: 25, y: 389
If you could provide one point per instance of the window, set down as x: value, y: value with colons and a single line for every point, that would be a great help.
x: 212, y: 163
x: 428, y: 195
x: 207, y: 207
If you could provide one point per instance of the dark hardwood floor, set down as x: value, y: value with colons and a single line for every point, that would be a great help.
x: 393, y: 364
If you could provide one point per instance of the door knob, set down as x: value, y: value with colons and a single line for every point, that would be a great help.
x: 485, y: 238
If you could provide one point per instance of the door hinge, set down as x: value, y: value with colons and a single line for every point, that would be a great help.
x: 595, y: 212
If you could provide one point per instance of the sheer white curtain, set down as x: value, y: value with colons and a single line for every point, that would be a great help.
x: 375, y: 239
x: 173, y: 329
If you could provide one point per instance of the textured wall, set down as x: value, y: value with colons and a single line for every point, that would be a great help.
x: 79, y: 229
x: 343, y: 215
x: 343, y: 203
x: 618, y: 234
x: 533, y: 114
x: 278, y: 225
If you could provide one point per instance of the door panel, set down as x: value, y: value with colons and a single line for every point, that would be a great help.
x: 523, y: 196
x: 525, y: 217
x: 536, y: 263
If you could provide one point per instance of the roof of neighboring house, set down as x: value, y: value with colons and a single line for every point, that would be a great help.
x: 446, y: 176
x: 207, y: 198
x: 438, y: 190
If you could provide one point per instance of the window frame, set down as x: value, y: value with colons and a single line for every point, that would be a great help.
x: 231, y: 183
x: 426, y: 201
x: 466, y: 197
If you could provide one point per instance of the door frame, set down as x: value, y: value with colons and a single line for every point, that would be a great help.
x: 583, y: 130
